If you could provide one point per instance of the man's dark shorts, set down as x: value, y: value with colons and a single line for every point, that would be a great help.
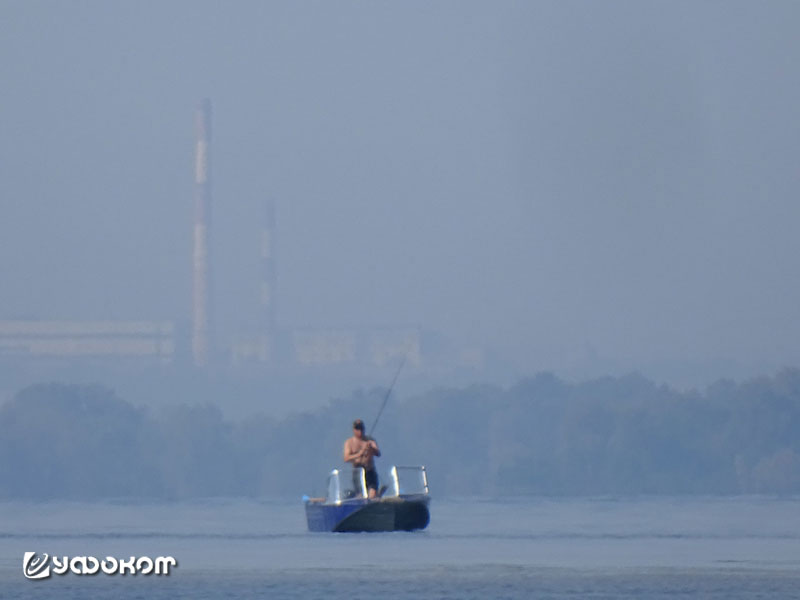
x: 372, y: 479
x: 370, y: 476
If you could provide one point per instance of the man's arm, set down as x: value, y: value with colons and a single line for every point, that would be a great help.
x: 374, y: 446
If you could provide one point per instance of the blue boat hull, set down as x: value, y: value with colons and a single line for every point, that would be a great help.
x: 387, y: 514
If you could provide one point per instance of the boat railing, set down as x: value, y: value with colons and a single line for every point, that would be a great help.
x: 349, y: 483
x: 407, y: 481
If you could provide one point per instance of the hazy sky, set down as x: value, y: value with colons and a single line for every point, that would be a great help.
x: 549, y: 180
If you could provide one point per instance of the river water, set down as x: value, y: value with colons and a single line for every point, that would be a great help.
x: 743, y: 547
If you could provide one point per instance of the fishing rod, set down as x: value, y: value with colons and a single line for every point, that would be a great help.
x: 386, y: 397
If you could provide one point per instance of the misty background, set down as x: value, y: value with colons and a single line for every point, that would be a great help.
x: 576, y: 186
x: 579, y: 188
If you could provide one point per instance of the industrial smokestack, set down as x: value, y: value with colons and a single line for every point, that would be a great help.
x: 201, y: 294
x: 267, y: 269
x: 265, y: 341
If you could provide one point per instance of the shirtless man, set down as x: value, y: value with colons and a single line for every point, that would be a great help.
x: 360, y: 450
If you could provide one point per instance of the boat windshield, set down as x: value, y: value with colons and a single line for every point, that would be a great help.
x: 345, y: 483
x: 408, y: 481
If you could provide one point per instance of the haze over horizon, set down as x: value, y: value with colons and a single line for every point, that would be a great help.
x: 571, y: 186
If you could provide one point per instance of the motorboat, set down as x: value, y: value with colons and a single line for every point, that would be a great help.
x: 401, y: 505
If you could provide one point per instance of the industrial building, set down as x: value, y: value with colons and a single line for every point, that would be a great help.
x: 88, y: 339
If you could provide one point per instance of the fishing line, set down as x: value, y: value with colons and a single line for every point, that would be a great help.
x: 386, y: 398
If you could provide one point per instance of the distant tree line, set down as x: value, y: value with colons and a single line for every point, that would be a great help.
x: 542, y: 436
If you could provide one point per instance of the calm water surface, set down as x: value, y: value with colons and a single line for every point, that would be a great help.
x: 519, y: 548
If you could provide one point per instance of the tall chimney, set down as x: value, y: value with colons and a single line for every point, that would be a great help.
x: 201, y: 294
x: 265, y: 348
x: 267, y: 269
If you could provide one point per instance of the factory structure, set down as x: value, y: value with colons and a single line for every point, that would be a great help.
x: 165, y: 343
